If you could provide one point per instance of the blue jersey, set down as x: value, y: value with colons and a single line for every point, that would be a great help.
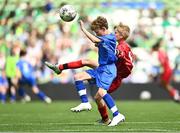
x: 25, y: 68
x: 27, y: 72
x: 106, y: 71
x: 107, y: 49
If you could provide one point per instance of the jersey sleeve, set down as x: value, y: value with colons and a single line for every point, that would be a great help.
x: 125, y: 53
x: 120, y: 54
x: 101, y: 38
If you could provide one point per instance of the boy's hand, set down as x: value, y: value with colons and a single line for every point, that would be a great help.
x: 93, y: 38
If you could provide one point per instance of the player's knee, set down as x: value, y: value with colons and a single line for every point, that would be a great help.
x: 102, y: 92
x: 35, y: 89
x: 85, y: 61
x: 76, y: 77
x: 79, y: 76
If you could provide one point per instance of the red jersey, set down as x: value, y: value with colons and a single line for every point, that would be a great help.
x: 124, y: 64
x: 164, y: 61
x: 125, y: 59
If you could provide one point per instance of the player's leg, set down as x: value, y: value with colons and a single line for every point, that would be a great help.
x: 41, y: 94
x: 21, y: 92
x: 81, y: 89
x: 12, y: 89
x: 174, y: 93
x: 115, y: 84
x: 24, y: 95
x: 165, y: 82
x: 105, y: 76
x: 32, y: 82
x: 100, y: 103
x: 102, y: 108
x: 0, y: 93
x: 71, y: 65
x: 17, y: 83
x: 78, y: 64
x: 117, y: 117
x: 13, y: 94
x: 14, y: 83
x: 3, y: 89
x: 90, y: 63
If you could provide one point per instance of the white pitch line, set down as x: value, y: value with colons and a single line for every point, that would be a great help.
x: 44, y: 123
x: 77, y: 131
x: 149, y: 122
x: 135, y: 130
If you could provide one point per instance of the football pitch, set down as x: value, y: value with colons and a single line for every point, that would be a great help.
x: 141, y: 116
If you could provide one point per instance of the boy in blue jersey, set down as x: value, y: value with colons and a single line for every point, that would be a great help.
x: 124, y: 66
x: 104, y: 73
x: 26, y: 76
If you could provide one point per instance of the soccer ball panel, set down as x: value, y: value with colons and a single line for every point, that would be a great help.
x: 67, y: 13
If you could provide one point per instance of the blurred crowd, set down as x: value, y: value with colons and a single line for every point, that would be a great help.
x: 47, y: 38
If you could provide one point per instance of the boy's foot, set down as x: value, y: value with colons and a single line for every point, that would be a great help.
x: 53, y: 67
x: 104, y: 122
x: 81, y: 107
x: 177, y: 96
x: 117, y: 119
x: 48, y: 100
x: 26, y: 98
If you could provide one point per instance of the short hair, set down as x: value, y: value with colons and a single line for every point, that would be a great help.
x: 99, y: 23
x: 123, y: 29
x: 22, y: 52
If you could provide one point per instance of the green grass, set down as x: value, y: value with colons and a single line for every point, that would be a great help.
x: 148, y: 116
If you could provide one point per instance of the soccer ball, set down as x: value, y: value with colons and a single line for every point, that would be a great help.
x: 145, y: 95
x: 67, y: 13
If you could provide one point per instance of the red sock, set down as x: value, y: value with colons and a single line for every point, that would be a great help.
x: 172, y: 92
x: 71, y: 65
x: 103, y: 112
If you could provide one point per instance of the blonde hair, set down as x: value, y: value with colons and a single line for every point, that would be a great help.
x: 123, y: 29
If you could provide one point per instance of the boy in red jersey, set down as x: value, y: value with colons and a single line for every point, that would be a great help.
x: 165, y: 71
x: 124, y: 66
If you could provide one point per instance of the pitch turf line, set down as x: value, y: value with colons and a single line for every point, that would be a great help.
x: 94, y: 124
x: 90, y: 123
x: 134, y: 130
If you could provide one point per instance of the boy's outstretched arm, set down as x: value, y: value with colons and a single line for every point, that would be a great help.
x: 93, y: 38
